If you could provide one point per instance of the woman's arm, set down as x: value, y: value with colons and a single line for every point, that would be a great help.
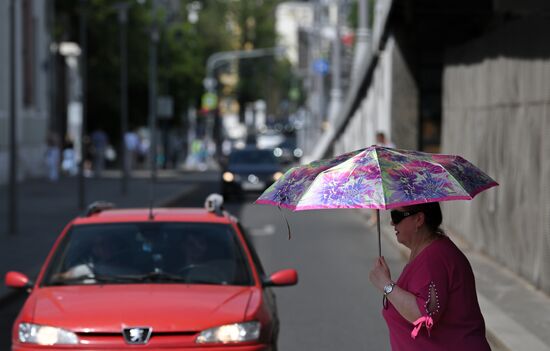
x: 403, y: 301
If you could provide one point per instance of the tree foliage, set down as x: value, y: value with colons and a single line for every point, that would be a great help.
x: 261, y: 78
x: 182, y: 50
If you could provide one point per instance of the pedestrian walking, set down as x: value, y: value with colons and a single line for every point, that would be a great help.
x: 433, y: 304
x: 53, y: 156
x: 68, y: 164
x: 382, y: 140
x: 100, y: 141
x: 131, y: 147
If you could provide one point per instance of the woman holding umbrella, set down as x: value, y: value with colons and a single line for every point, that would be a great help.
x: 433, y: 305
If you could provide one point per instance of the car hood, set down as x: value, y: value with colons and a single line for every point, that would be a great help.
x: 166, y: 307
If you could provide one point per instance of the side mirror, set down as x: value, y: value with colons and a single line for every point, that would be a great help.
x: 286, y: 277
x: 17, y: 280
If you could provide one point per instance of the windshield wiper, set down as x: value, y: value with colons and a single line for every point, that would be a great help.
x: 91, y: 279
x: 155, y: 276
x: 159, y: 276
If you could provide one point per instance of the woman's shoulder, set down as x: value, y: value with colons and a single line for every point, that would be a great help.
x: 444, y: 251
x: 439, y: 249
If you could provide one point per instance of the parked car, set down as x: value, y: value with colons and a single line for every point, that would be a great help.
x: 119, y: 279
x: 250, y: 170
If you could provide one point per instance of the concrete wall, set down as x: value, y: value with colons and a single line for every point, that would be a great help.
x: 496, y: 112
x: 390, y: 105
x: 404, y: 117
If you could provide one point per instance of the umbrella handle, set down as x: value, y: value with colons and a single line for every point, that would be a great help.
x: 378, y: 226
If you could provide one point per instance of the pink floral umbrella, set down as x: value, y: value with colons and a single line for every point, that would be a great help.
x: 379, y: 178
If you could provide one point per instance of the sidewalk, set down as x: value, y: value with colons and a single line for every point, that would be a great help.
x: 517, y: 316
x: 44, y: 208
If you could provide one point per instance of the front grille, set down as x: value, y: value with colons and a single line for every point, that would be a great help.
x: 158, y: 339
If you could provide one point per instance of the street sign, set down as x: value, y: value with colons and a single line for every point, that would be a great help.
x: 209, y: 101
x: 321, y: 66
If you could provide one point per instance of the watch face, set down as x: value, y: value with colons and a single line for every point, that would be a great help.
x: 388, y: 288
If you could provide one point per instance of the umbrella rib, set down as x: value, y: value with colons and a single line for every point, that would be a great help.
x: 381, y: 179
x: 454, y: 178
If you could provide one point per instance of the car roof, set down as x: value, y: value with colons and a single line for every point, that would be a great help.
x: 159, y: 215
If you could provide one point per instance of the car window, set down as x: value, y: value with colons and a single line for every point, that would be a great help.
x: 205, y: 253
x: 252, y: 157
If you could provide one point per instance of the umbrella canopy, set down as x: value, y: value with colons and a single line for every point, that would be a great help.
x: 377, y: 177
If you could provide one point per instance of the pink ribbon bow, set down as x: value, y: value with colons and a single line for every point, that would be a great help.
x: 424, y: 320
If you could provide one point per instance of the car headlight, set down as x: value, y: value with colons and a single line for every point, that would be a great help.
x: 238, y: 332
x: 45, y: 335
x: 277, y: 175
x: 228, y: 177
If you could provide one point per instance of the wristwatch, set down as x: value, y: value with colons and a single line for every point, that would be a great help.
x: 388, y: 288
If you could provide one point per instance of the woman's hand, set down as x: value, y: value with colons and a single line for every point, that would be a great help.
x: 380, y: 274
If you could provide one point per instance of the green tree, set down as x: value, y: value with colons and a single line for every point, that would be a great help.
x: 258, y: 77
x: 183, y: 50
x: 182, y: 53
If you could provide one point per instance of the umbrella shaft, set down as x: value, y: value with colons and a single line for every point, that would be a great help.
x: 378, y: 226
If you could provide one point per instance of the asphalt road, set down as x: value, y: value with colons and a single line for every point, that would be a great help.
x: 333, y: 307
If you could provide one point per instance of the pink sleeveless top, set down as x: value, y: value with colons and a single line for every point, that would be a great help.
x: 455, y: 322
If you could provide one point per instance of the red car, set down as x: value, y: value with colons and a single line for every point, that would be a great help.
x: 160, y: 279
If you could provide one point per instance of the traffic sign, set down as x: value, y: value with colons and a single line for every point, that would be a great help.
x: 321, y: 66
x: 209, y: 101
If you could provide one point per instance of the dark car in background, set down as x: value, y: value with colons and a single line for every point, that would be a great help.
x: 288, y: 152
x: 250, y: 170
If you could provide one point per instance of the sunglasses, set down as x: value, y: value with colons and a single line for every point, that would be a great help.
x: 398, y: 216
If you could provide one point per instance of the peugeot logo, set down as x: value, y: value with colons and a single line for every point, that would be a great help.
x: 137, y: 335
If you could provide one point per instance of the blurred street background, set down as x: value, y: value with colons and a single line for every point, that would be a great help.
x: 139, y: 101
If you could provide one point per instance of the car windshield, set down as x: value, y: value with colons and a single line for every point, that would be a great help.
x: 252, y: 157
x: 122, y: 253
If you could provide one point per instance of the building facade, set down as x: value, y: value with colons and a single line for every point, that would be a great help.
x: 32, y: 43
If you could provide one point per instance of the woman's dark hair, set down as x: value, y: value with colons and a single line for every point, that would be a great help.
x: 432, y: 215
